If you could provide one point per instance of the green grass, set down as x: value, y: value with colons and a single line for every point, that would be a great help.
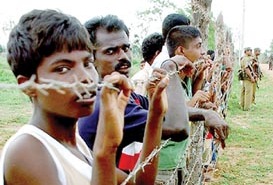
x: 15, y: 107
x: 248, y: 157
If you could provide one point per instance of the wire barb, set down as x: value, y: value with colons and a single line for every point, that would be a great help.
x: 144, y: 163
x: 59, y: 86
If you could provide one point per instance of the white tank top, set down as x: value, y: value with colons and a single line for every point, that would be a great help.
x: 71, y: 170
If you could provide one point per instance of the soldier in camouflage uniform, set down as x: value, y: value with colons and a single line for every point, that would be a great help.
x: 248, y: 79
x: 257, y: 71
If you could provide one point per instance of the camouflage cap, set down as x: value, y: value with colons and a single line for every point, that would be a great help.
x: 248, y: 49
x: 257, y: 49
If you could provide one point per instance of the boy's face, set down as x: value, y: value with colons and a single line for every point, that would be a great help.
x: 69, y: 68
x: 113, y: 53
x: 194, y: 50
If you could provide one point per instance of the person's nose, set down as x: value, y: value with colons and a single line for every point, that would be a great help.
x: 203, y: 51
x: 123, y: 55
x: 86, y: 75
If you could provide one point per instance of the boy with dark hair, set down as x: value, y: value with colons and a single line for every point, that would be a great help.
x: 50, y: 54
x: 185, y: 41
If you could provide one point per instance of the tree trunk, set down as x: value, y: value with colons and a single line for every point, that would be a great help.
x: 201, y: 11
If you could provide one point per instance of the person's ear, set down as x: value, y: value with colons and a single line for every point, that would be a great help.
x: 157, y: 52
x: 28, y: 88
x: 179, y: 50
x: 155, y: 55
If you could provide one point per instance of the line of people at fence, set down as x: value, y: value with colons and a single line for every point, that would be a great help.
x: 199, y: 87
x: 57, y: 48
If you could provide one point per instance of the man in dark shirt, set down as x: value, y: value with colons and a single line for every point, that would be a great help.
x: 135, y: 121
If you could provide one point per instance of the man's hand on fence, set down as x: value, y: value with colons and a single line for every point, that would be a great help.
x: 216, y: 126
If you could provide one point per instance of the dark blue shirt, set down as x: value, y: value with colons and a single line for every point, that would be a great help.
x: 134, y: 122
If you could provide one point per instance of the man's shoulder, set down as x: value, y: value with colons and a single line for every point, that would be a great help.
x: 245, y: 60
x: 140, y: 75
x: 163, y: 55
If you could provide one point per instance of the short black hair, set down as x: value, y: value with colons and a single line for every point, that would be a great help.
x: 39, y: 34
x: 211, y: 53
x: 181, y: 36
x: 150, y: 45
x: 173, y: 20
x: 111, y: 23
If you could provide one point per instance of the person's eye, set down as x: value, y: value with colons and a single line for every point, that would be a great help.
x: 62, y: 69
x: 126, y: 48
x: 89, y: 64
x: 110, y: 51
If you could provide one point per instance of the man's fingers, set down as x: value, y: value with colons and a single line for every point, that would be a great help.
x: 160, y: 79
x: 118, y: 81
x: 222, y: 135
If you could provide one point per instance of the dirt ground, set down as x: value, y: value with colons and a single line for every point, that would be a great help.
x: 265, y: 71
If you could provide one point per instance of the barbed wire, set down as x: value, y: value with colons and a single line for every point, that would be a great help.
x: 59, y: 86
x: 146, y: 162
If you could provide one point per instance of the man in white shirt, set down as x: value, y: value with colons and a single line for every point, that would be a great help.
x: 150, y: 48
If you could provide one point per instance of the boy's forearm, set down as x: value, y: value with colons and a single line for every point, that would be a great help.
x: 104, y: 164
x: 104, y: 160
x: 153, y: 128
x: 152, y: 140
x: 105, y: 148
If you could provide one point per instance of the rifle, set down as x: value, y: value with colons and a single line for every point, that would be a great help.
x: 260, y: 73
x: 256, y: 68
x: 257, y: 85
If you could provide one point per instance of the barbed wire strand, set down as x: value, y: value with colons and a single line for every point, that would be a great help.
x: 141, y: 165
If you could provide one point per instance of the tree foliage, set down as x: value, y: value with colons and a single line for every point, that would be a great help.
x: 211, y: 35
x: 155, y: 12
